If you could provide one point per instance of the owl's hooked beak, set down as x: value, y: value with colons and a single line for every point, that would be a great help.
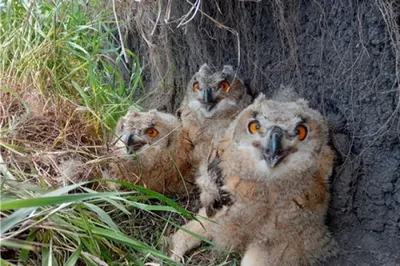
x: 208, y: 99
x: 134, y: 143
x: 275, y: 153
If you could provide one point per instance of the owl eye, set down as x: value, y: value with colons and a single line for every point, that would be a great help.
x: 224, y: 85
x: 196, y: 86
x: 301, y: 132
x: 152, y: 132
x: 254, y: 127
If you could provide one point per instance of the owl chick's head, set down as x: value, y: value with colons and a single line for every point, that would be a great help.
x: 138, y: 130
x: 215, y: 93
x: 279, y: 136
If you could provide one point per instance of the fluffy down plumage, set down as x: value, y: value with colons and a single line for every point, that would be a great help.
x: 152, y: 150
x: 274, y: 163
x: 213, y: 99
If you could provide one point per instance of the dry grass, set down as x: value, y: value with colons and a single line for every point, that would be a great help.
x: 50, y: 136
x: 55, y: 145
x: 61, y: 94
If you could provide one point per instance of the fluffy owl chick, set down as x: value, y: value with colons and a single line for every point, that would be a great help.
x: 275, y: 163
x: 213, y: 197
x: 213, y: 99
x: 151, y: 150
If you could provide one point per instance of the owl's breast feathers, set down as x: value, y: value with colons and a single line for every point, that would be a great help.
x: 312, y: 194
x: 317, y: 196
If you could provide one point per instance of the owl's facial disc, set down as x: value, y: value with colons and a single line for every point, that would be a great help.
x: 134, y: 143
x: 208, y: 95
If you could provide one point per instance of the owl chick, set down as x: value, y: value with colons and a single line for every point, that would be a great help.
x: 213, y: 99
x: 212, y: 193
x: 151, y: 150
x: 275, y: 163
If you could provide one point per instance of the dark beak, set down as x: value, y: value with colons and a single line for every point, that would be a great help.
x: 274, y: 153
x: 133, y: 143
x: 208, y: 99
x: 207, y: 96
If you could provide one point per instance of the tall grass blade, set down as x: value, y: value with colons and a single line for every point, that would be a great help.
x: 74, y: 257
x: 121, y: 238
x: 103, y: 215
x: 19, y: 215
x: 44, y: 201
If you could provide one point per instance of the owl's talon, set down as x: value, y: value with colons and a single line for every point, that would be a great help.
x: 176, y: 258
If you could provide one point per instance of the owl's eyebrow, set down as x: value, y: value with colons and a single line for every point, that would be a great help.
x: 303, y: 120
x: 255, y: 114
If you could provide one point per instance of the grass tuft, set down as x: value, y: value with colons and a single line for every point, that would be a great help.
x: 61, y: 94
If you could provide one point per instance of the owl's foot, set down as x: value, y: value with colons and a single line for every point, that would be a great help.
x: 182, y: 241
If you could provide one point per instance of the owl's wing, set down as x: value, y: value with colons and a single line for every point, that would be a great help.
x: 213, y: 196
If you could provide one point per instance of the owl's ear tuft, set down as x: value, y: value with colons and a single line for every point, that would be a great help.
x: 285, y: 94
x: 204, y: 69
x: 155, y: 114
x: 260, y: 99
x: 153, y: 111
x: 133, y: 112
x: 302, y: 102
x: 228, y: 69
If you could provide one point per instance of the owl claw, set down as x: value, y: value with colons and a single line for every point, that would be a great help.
x: 176, y: 258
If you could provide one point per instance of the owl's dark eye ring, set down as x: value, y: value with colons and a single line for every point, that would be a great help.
x: 196, y: 86
x: 254, y: 127
x: 152, y: 132
x: 301, y: 132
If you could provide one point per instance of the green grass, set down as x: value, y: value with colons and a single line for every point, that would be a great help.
x: 84, y: 225
x: 68, y: 48
x: 67, y: 52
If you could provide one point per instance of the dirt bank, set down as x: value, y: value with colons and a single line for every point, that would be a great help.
x: 339, y: 55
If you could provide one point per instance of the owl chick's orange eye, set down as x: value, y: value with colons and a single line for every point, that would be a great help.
x: 254, y: 127
x: 152, y: 132
x: 301, y: 132
x: 196, y: 86
x: 224, y: 85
